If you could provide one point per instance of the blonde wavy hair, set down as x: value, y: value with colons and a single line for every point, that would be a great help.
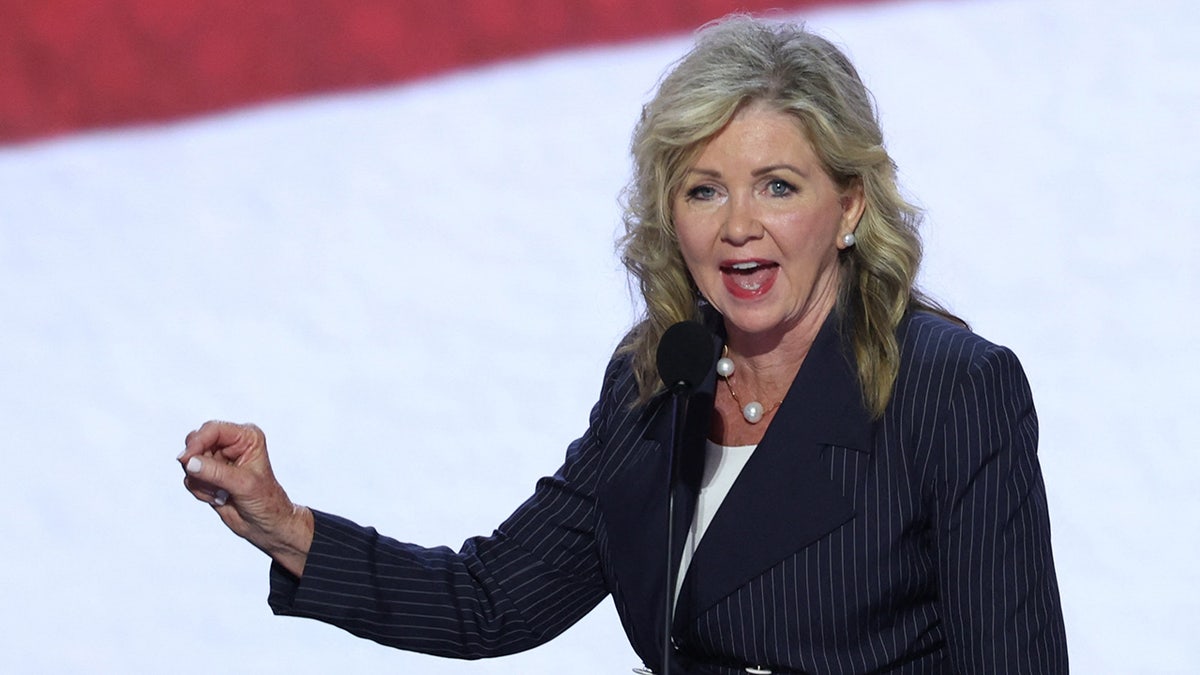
x: 735, y: 62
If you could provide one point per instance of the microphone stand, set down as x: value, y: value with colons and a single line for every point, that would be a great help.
x: 679, y: 404
x: 684, y: 358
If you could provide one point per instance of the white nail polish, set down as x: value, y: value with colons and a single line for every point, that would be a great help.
x: 193, y: 465
x: 221, y: 498
x: 181, y: 454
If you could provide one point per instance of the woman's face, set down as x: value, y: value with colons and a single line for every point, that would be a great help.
x: 760, y: 223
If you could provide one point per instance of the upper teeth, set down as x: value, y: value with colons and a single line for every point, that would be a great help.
x: 745, y: 265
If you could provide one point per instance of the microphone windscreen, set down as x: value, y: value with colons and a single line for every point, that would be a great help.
x: 685, y: 355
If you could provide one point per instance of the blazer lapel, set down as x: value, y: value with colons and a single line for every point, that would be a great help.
x: 784, y: 498
x: 634, y: 508
x: 634, y: 505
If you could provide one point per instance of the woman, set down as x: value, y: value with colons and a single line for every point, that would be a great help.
x: 881, y: 508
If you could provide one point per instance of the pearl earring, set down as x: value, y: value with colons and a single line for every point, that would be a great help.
x: 849, y: 239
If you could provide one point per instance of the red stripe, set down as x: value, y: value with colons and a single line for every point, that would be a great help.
x: 74, y: 64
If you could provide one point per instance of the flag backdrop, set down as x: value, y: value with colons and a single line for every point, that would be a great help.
x: 361, y: 223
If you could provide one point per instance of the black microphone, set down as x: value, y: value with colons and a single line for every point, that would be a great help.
x: 685, y: 357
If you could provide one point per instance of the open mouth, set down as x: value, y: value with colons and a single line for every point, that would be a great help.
x: 750, y: 276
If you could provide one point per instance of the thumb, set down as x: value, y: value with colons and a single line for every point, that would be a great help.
x: 217, y: 473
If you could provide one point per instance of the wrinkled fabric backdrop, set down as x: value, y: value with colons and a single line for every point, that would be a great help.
x: 384, y: 232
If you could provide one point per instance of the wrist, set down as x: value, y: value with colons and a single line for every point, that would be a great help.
x: 291, y: 544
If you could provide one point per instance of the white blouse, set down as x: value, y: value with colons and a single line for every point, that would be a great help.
x: 722, y: 464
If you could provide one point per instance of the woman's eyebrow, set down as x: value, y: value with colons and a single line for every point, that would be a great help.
x: 777, y: 167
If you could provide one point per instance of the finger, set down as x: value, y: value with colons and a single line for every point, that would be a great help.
x: 213, y: 435
x: 218, y: 473
x: 229, y: 439
x: 206, y: 492
x: 200, y: 441
x: 221, y: 502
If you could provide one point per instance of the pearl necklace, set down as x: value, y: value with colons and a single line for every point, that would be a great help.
x: 752, y: 411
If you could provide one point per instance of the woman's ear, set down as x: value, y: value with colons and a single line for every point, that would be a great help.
x: 854, y: 202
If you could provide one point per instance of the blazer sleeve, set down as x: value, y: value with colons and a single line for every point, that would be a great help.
x: 533, y: 578
x: 997, y: 585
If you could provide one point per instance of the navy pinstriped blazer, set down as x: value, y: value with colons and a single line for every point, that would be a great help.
x: 916, y: 543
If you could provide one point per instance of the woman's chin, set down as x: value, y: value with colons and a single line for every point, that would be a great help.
x: 770, y: 321
x: 755, y: 322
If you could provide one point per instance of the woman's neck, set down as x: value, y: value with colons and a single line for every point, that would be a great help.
x: 768, y: 362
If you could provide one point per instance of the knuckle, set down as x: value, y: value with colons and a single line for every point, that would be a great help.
x: 214, y: 470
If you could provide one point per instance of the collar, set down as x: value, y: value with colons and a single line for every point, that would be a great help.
x: 785, y: 481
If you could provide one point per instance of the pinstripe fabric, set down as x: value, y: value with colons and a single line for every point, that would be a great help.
x: 917, y: 543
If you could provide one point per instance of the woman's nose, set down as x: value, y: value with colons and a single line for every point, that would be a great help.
x: 742, y: 223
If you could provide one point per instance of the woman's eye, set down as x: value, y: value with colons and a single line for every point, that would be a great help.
x: 780, y: 188
x: 702, y: 192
